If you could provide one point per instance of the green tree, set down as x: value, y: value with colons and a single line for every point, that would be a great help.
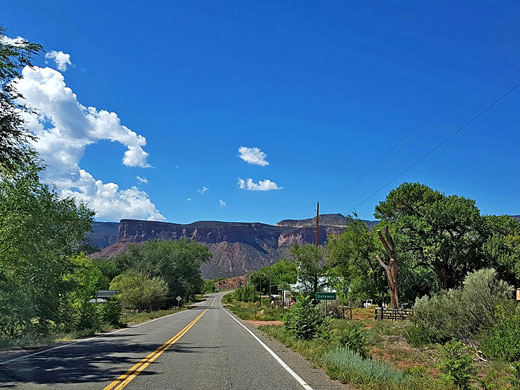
x: 39, y: 233
x: 84, y: 280
x: 14, y: 56
x: 352, y: 255
x: 177, y: 262
x: 137, y: 290
x: 441, y: 233
x: 311, y: 267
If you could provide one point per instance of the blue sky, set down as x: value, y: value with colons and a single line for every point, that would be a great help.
x: 324, y: 90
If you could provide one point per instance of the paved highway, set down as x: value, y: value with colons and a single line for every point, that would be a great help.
x: 199, y: 348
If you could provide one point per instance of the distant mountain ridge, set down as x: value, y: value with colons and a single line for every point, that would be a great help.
x: 238, y: 247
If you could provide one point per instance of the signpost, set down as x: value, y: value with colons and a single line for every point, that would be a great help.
x: 178, y: 301
x: 326, y: 296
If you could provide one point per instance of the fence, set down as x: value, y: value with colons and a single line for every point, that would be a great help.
x: 381, y: 313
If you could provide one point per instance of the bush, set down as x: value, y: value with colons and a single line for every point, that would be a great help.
x: 111, y: 312
x: 502, y: 341
x: 348, y: 367
x: 457, y: 365
x: 304, y: 320
x: 418, y: 336
x: 353, y: 338
x: 461, y: 313
x: 88, y: 318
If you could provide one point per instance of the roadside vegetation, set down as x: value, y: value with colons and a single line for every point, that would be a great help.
x: 455, y: 268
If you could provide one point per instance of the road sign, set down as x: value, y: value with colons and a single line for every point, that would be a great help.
x: 105, y: 293
x: 178, y: 299
x: 326, y: 296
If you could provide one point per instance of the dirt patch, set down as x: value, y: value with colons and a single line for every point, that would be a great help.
x: 261, y: 323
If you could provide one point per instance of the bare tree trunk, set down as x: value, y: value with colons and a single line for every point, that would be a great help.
x: 390, y: 269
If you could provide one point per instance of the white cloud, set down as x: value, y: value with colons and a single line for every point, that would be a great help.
x: 252, y: 156
x: 18, y: 41
x: 142, y: 179
x: 203, y: 190
x: 64, y: 129
x: 221, y: 203
x: 189, y: 199
x: 262, y: 185
x: 61, y: 59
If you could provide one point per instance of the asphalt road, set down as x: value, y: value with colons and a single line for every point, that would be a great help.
x: 200, y: 348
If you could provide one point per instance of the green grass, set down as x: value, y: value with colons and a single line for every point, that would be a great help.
x: 247, y: 310
x: 347, y: 367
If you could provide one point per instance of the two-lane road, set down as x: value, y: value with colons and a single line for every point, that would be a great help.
x: 199, y: 348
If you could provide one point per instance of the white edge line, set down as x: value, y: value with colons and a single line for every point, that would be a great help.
x: 277, y: 358
x: 89, y: 339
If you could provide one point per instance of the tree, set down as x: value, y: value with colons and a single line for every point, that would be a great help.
x: 177, y: 262
x: 14, y: 56
x: 390, y: 268
x: 39, y: 234
x: 283, y: 274
x: 84, y: 280
x: 137, y: 290
x: 352, y: 256
x: 439, y: 232
x: 311, y: 267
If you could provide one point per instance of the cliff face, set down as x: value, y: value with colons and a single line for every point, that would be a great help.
x: 238, y: 248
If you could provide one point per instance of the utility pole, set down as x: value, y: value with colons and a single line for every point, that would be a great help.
x: 317, y: 223
x: 260, y: 296
x: 270, y: 270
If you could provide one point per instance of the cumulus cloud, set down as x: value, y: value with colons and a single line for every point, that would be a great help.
x: 64, y: 129
x: 252, y: 156
x: 188, y: 199
x: 262, y: 185
x: 221, y: 203
x: 142, y: 179
x: 203, y: 190
x: 61, y: 59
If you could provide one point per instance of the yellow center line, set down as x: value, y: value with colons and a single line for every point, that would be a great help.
x: 130, y: 375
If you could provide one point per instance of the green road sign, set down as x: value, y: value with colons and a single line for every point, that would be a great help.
x: 326, y: 296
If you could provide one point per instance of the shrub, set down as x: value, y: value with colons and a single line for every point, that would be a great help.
x: 461, y: 313
x: 138, y: 290
x: 348, y: 367
x: 502, y: 341
x: 88, y: 318
x: 111, y: 312
x: 353, y: 337
x: 304, y: 320
x: 456, y: 364
x: 418, y: 335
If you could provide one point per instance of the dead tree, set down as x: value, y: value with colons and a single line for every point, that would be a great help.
x: 390, y: 269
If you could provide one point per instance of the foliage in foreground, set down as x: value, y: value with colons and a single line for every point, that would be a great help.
x: 457, y: 364
x: 304, y: 320
x: 460, y: 313
x: 502, y: 341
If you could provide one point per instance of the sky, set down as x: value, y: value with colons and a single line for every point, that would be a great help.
x: 253, y: 111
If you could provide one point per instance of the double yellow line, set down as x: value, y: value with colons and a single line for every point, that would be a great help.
x: 130, y: 375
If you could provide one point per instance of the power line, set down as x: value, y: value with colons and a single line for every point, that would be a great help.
x: 473, y: 119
